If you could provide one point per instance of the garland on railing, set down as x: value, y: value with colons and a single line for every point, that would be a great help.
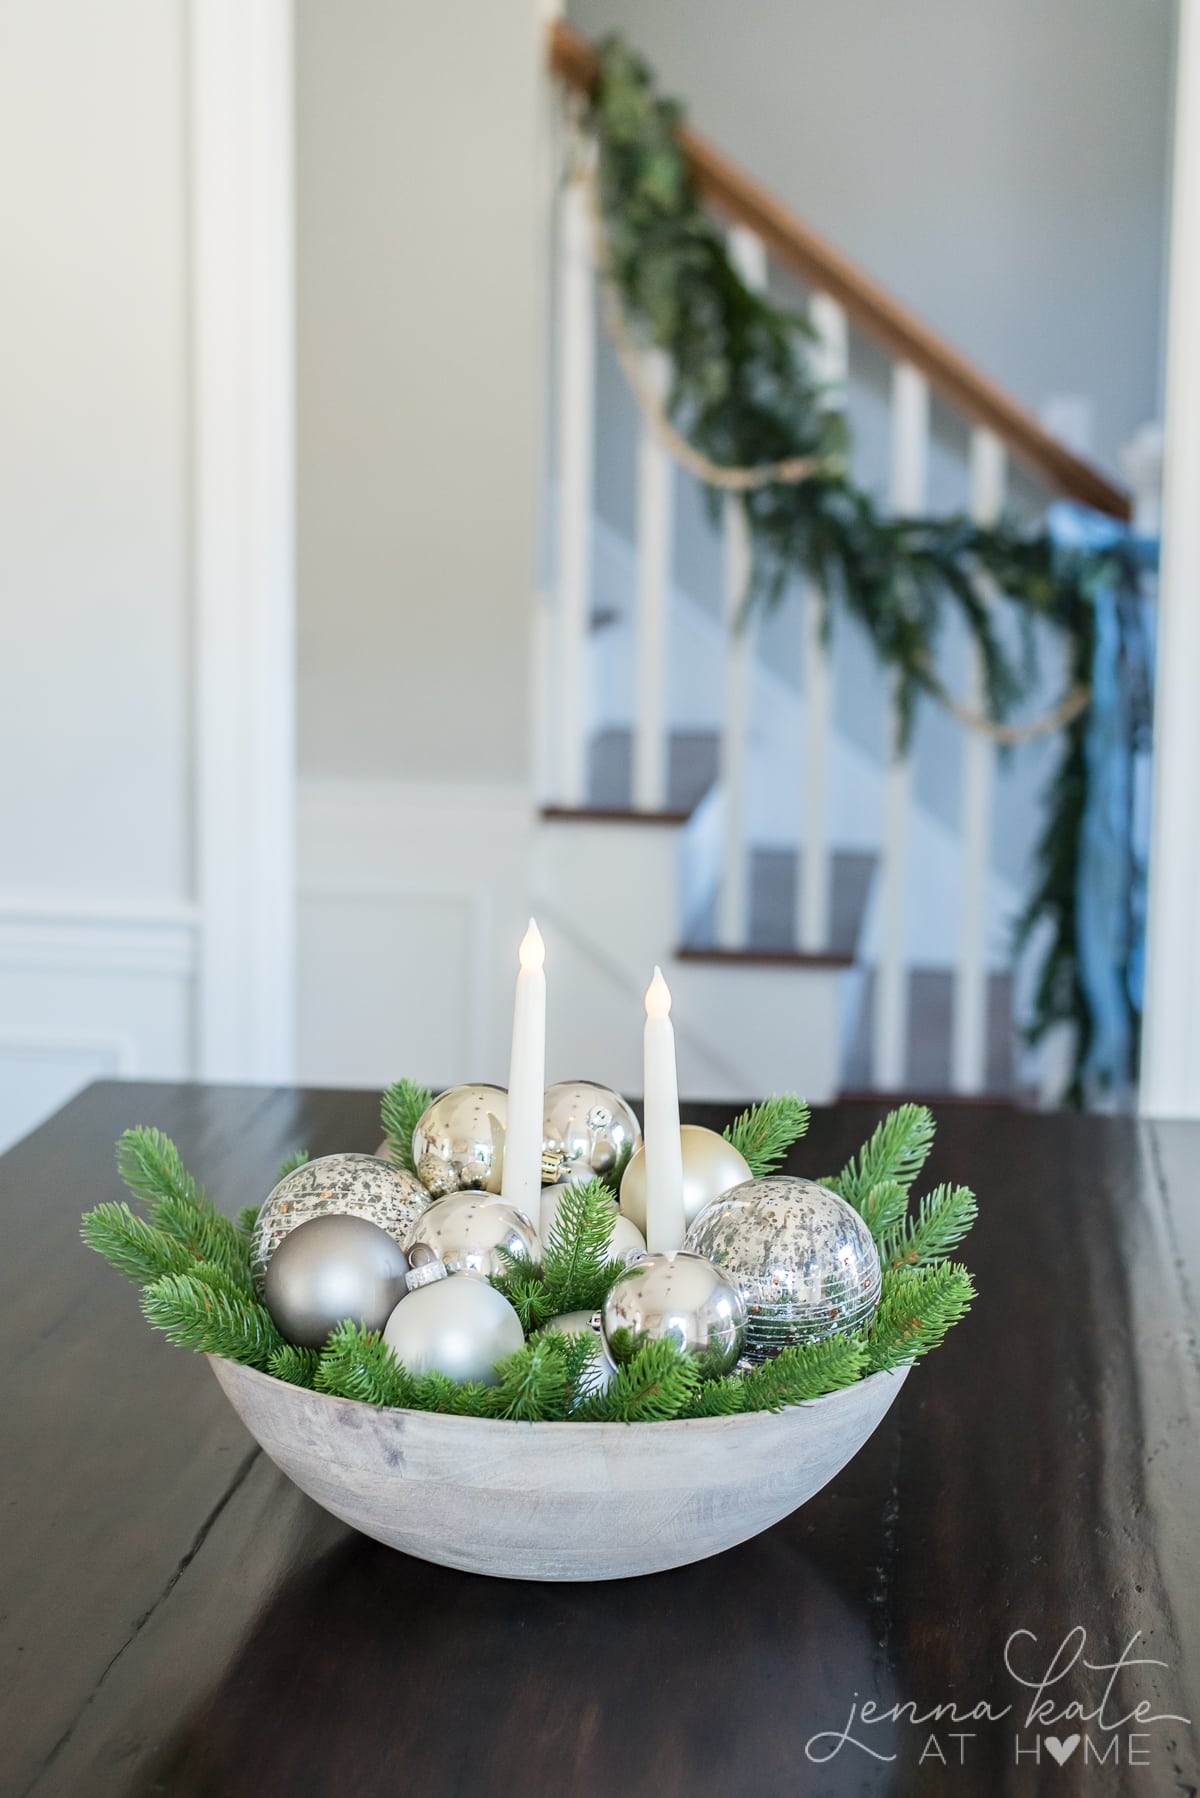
x: 743, y: 396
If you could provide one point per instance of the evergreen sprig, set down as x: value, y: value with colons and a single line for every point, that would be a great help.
x: 403, y: 1105
x: 152, y: 1168
x: 943, y: 1218
x: 804, y: 1371
x: 290, y: 1164
x: 295, y: 1366
x: 194, y: 1311
x: 917, y: 1307
x: 577, y: 1269
x: 651, y: 1388
x: 893, y: 1157
x: 358, y: 1363
x: 134, y: 1247
x: 535, y: 1384
x: 764, y: 1134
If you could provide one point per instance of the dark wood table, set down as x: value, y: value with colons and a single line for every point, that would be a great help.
x: 175, y: 1617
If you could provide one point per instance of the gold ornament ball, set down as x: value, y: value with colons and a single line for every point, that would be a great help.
x: 710, y: 1167
x: 458, y: 1144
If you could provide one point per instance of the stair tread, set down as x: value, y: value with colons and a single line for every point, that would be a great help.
x: 691, y: 769
x: 930, y: 1034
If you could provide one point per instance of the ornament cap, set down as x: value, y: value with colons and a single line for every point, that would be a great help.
x: 424, y: 1267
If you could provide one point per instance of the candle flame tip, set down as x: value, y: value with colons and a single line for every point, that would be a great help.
x: 532, y: 952
x: 658, y: 996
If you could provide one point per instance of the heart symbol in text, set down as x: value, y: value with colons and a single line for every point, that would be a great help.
x: 1062, y: 1751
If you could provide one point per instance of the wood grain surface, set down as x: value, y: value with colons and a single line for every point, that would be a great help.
x: 176, y: 1618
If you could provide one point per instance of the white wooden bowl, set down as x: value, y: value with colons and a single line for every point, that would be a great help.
x: 554, y: 1501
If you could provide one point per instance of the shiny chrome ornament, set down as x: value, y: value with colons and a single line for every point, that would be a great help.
x: 626, y: 1243
x: 589, y: 1126
x: 336, y: 1185
x: 330, y: 1269
x: 710, y: 1167
x: 681, y: 1297
x: 458, y: 1145
x: 802, y: 1257
x: 468, y: 1230
x: 598, y: 1375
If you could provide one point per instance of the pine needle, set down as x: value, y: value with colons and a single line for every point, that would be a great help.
x: 576, y: 1266
x: 202, y: 1317
x: 403, y: 1105
x: 151, y: 1167
x: 717, y: 1398
x: 534, y: 1385
x: 248, y: 1219
x: 943, y: 1219
x: 918, y: 1306
x: 295, y: 1366
x: 357, y: 1363
x: 896, y: 1153
x: 804, y: 1371
x: 133, y: 1246
x: 653, y: 1387
x: 764, y: 1134
x: 438, y: 1392
x: 883, y: 1207
x: 295, y: 1160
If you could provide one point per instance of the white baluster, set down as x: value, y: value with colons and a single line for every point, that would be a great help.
x: 910, y: 457
x: 829, y: 358
x: 749, y: 256
x: 968, y: 1053
x: 654, y: 525
x: 576, y: 408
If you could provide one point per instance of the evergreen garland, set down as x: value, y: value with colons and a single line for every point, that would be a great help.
x: 743, y: 394
x: 192, y: 1264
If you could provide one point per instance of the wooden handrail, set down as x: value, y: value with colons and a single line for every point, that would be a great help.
x: 877, y: 314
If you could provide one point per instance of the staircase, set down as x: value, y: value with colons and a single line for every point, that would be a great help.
x: 824, y: 925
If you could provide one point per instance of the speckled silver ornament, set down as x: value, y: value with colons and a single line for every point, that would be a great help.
x: 804, y: 1260
x: 330, y: 1269
x: 710, y: 1167
x: 681, y: 1297
x: 467, y: 1230
x: 458, y: 1144
x: 597, y: 1377
x: 341, y: 1185
x: 589, y: 1126
x: 626, y: 1242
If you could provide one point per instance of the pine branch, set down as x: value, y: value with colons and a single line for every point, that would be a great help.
x: 717, y: 1398
x: 918, y: 1306
x: 206, y: 1235
x: 534, y: 1386
x: 613, y: 1176
x: 359, y: 1364
x: 438, y: 1392
x: 943, y: 1219
x: 576, y: 1267
x: 802, y: 1372
x: 765, y: 1133
x: 528, y: 1295
x: 895, y: 1154
x: 401, y: 1109
x: 654, y: 1386
x: 201, y: 1316
x: 248, y: 1219
x: 295, y: 1160
x: 152, y: 1168
x: 133, y: 1246
x: 883, y: 1207
x: 295, y: 1366
x: 580, y: 1354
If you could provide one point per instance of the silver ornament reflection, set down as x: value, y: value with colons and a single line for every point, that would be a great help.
x: 626, y: 1242
x: 597, y: 1376
x: 589, y: 1126
x: 458, y: 1144
x: 804, y: 1260
x: 454, y: 1326
x: 330, y: 1269
x: 710, y: 1167
x: 336, y: 1185
x: 681, y: 1297
x: 467, y: 1230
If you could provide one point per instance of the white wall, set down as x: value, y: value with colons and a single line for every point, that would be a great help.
x: 96, y: 923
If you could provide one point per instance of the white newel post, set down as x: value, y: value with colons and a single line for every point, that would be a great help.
x: 243, y: 525
x: 576, y: 409
x: 749, y: 256
x: 910, y: 457
x: 968, y: 1049
x: 654, y: 526
x: 1170, y: 1075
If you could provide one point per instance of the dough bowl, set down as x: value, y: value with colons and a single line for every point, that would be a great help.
x: 555, y: 1501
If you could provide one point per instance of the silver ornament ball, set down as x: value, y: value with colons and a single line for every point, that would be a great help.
x: 626, y: 1242
x: 458, y: 1144
x: 804, y: 1260
x: 331, y: 1269
x: 588, y: 1126
x: 597, y: 1376
x: 468, y: 1230
x: 454, y: 1326
x: 710, y: 1167
x: 680, y: 1297
x: 336, y: 1185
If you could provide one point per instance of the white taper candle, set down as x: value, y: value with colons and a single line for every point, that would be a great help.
x: 521, y: 1182
x: 665, y: 1222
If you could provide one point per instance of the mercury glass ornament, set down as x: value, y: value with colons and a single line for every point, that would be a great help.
x: 710, y: 1167
x: 467, y: 1230
x: 330, y: 1269
x: 451, y: 1325
x: 341, y: 1185
x: 458, y: 1144
x: 681, y: 1297
x: 626, y: 1242
x: 804, y: 1260
x: 597, y: 1377
x: 589, y: 1127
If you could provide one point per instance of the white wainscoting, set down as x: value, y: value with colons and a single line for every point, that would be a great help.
x: 87, y: 991
x: 412, y: 899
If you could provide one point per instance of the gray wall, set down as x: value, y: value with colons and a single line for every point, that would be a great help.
x: 419, y: 281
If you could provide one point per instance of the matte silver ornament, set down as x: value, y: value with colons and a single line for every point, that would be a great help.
x: 681, y: 1297
x: 467, y: 1230
x: 597, y: 1377
x: 330, y: 1269
x: 336, y: 1185
x: 626, y: 1243
x: 458, y: 1144
x: 710, y: 1167
x: 589, y: 1126
x: 804, y: 1260
x: 454, y: 1326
